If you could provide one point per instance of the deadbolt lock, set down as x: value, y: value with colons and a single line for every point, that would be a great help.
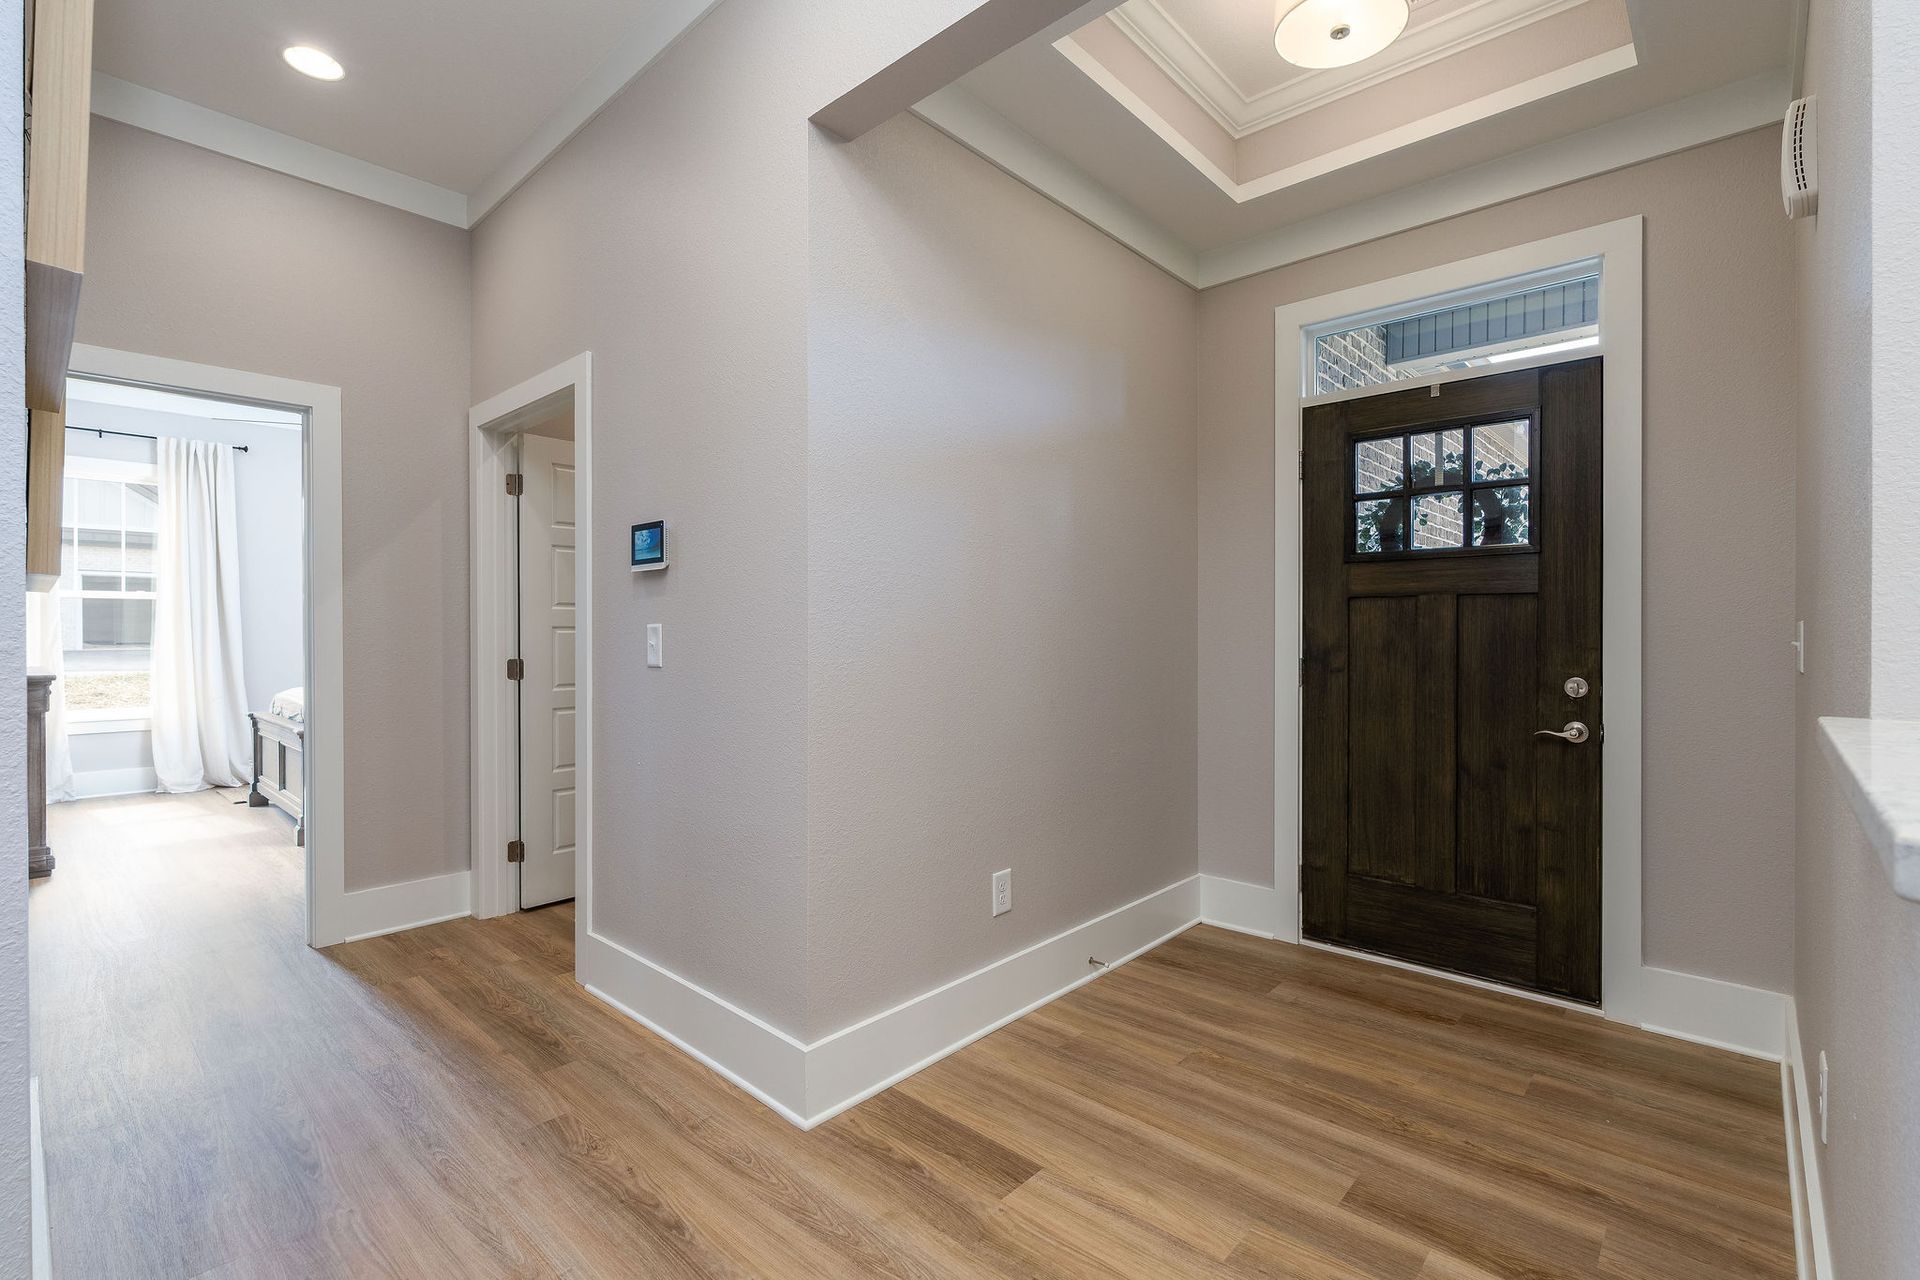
x: 1576, y: 687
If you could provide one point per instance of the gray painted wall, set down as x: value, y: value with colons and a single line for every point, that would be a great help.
x: 1001, y: 552
x: 670, y: 238
x: 1856, y: 944
x: 15, y: 1063
x: 199, y: 257
x: 1718, y: 766
x: 1895, y: 229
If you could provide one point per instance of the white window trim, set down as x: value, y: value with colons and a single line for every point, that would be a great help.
x: 108, y: 721
x: 1568, y: 344
x: 1626, y: 984
x: 1451, y: 299
x: 80, y: 466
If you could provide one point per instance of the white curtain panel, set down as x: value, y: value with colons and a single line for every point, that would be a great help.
x: 45, y: 653
x: 199, y: 706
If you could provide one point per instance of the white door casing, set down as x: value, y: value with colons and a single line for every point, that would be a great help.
x: 333, y: 914
x: 495, y: 429
x: 1627, y: 982
x: 547, y: 691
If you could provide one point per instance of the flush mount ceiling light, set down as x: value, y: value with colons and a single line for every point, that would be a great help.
x: 1336, y: 33
x: 309, y: 61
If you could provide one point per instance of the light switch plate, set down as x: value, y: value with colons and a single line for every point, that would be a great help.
x: 655, y: 657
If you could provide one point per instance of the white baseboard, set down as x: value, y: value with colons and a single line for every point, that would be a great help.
x: 1707, y: 1011
x: 1725, y: 1015
x: 759, y: 1057
x: 1242, y: 907
x: 810, y: 1083
x: 368, y: 913
x: 1810, y: 1242
x: 852, y: 1065
x: 98, y: 784
x: 41, y: 1239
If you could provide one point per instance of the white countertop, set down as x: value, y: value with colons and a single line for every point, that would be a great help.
x: 1879, y: 763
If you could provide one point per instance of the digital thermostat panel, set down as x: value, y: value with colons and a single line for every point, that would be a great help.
x: 649, y: 546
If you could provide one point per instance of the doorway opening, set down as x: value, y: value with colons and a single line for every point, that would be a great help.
x: 196, y: 625
x: 531, y: 450
x: 179, y: 509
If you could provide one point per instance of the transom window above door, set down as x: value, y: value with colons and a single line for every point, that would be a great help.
x: 1461, y: 488
x: 1523, y: 318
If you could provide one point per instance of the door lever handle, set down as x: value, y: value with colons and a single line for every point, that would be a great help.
x: 1574, y: 732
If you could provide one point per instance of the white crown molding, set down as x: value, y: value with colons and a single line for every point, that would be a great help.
x: 1175, y: 52
x: 188, y: 122
x: 975, y: 126
x: 1733, y: 109
x: 665, y: 21
x: 156, y: 112
x: 1147, y: 25
x: 1557, y: 81
x: 1560, y: 80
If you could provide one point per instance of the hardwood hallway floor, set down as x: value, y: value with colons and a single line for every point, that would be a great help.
x: 220, y: 1101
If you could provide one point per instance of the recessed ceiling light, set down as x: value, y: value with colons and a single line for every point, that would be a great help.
x: 309, y: 61
x: 1336, y: 33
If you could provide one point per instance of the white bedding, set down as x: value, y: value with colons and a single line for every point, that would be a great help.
x: 291, y: 703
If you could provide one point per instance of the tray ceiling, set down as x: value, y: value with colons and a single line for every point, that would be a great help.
x: 1222, y: 51
x: 1695, y: 69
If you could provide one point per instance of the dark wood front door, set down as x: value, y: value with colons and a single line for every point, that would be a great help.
x: 1452, y: 600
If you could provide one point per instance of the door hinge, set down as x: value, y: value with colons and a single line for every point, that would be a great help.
x: 1303, y: 673
x: 1303, y: 877
x: 516, y: 668
x: 1303, y: 464
x: 516, y: 484
x: 516, y: 851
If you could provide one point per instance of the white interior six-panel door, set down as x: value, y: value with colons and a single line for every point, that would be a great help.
x: 547, y: 693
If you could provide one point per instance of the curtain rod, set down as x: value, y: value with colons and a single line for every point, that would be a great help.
x: 131, y: 435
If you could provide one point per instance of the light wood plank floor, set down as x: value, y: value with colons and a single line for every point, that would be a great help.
x: 220, y: 1101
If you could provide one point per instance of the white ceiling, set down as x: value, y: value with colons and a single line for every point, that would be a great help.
x: 1686, y: 48
x: 440, y: 90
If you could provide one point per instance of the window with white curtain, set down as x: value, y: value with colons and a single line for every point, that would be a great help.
x: 110, y: 515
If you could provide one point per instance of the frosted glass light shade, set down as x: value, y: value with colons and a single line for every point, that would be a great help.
x: 1336, y: 33
x: 309, y: 61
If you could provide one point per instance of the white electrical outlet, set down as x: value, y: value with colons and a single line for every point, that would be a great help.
x: 655, y: 656
x: 1003, y: 891
x: 1822, y: 1105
